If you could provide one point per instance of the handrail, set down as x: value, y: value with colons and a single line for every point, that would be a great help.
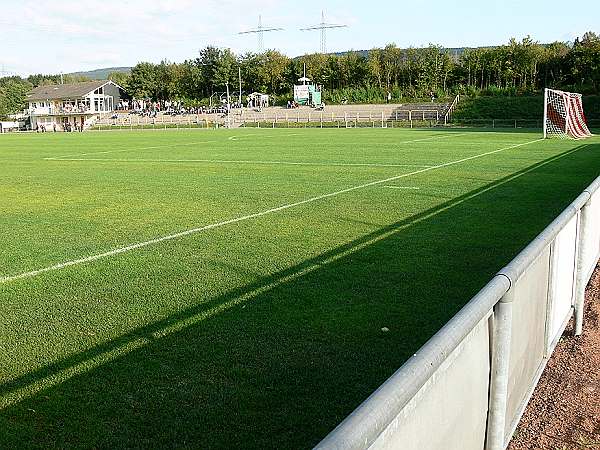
x: 448, y: 114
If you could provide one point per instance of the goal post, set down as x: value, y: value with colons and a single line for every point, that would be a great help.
x: 563, y: 115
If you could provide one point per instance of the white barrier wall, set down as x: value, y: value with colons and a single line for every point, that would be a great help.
x: 469, y: 385
x: 527, y: 342
x: 592, y: 253
x: 562, y: 289
x: 440, y: 404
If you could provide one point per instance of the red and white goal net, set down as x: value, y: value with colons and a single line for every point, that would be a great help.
x: 563, y: 115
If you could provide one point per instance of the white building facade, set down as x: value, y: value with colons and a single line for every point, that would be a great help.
x: 74, y: 106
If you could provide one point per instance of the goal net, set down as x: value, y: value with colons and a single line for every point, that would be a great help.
x: 563, y: 115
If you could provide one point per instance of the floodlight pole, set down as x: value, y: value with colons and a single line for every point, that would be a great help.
x: 228, y: 102
x: 240, y: 79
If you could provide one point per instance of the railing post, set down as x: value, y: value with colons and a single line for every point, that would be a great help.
x: 500, y: 343
x: 580, y: 277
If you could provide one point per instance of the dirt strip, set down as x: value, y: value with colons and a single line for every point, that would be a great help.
x: 564, y: 412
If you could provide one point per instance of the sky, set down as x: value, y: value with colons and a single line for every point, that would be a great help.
x: 66, y: 36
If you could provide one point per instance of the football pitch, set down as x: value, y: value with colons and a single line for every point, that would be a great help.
x: 246, y: 288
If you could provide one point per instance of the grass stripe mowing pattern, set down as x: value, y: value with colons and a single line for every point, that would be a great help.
x: 242, y: 335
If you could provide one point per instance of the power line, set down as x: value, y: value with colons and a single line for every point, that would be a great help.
x: 260, y: 32
x: 323, y: 27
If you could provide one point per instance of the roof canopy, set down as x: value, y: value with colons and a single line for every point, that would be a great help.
x: 61, y: 91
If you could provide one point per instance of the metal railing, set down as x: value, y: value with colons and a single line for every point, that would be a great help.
x: 53, y: 111
x: 451, y: 108
x: 468, y: 386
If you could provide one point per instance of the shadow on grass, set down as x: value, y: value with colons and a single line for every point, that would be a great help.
x: 286, y: 358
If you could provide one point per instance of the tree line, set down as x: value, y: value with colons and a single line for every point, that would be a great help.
x: 517, y: 68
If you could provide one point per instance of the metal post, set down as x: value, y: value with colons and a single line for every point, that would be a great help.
x: 501, y: 334
x: 545, y: 112
x: 581, y: 275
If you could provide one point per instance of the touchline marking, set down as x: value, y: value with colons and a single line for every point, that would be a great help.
x: 231, y: 138
x: 57, y: 158
x: 244, y: 161
x: 171, y: 237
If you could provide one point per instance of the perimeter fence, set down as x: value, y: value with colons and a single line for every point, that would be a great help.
x: 398, y: 119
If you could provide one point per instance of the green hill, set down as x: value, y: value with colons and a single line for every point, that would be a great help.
x: 102, y: 74
x: 525, y: 107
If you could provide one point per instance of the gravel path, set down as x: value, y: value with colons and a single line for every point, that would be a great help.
x: 564, y: 412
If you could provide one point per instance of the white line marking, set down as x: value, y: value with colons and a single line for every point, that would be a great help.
x: 128, y: 150
x: 437, y: 136
x: 231, y: 138
x: 402, y: 187
x: 122, y: 348
x: 242, y: 161
x: 170, y: 237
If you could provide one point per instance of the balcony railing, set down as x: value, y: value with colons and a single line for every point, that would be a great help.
x: 52, y: 111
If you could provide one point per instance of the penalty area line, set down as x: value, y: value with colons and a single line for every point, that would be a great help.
x: 192, y: 231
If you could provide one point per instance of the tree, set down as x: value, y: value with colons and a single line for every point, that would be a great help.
x: 121, y: 78
x: 13, y: 95
x: 144, y: 81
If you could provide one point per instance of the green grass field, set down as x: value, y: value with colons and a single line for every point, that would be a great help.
x: 228, y: 289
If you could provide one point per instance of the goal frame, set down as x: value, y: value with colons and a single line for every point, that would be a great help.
x: 567, y: 107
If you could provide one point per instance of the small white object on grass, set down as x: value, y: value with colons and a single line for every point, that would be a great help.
x: 385, y: 329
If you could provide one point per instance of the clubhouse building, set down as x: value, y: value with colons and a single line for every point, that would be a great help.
x: 72, y: 106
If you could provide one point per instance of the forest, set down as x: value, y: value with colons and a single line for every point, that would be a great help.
x: 518, y: 68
